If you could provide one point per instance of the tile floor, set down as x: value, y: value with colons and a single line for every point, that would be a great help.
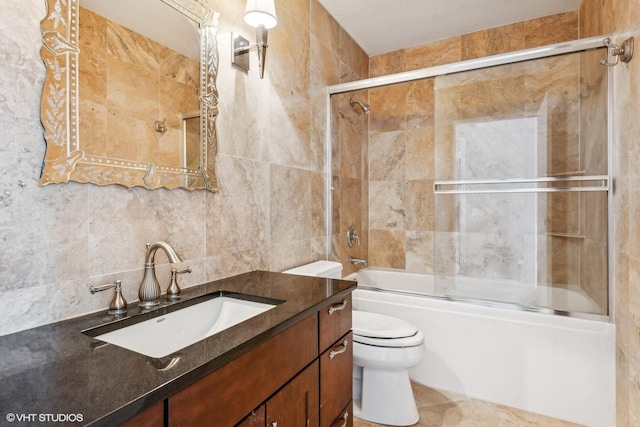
x: 443, y: 409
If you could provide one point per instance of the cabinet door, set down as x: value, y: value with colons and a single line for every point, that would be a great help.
x: 257, y: 418
x: 296, y: 404
x: 345, y: 419
x: 336, y: 382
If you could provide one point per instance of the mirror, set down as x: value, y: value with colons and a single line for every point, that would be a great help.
x: 144, y: 119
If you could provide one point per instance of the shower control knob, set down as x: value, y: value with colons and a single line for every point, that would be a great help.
x: 352, y: 237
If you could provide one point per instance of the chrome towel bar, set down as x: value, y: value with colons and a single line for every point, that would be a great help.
x: 601, y: 183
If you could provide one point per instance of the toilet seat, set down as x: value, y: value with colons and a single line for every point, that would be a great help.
x: 376, y: 325
x: 413, y: 341
x: 384, y: 331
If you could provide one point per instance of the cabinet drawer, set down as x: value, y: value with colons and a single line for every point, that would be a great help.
x: 225, y: 396
x: 336, y: 383
x: 345, y: 419
x: 335, y: 321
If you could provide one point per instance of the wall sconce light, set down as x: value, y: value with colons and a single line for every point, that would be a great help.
x: 260, y: 14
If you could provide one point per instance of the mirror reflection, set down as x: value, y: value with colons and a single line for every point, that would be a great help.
x: 141, y: 119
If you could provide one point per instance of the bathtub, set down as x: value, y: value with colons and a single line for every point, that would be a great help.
x: 558, y: 366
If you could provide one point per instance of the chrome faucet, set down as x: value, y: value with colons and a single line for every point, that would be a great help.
x: 149, y: 292
x: 357, y: 261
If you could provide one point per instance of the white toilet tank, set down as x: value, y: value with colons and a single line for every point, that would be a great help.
x: 328, y: 269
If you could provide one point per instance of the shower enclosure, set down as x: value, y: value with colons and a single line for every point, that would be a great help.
x: 492, y: 175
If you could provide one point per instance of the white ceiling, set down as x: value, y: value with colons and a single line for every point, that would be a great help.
x: 381, y: 26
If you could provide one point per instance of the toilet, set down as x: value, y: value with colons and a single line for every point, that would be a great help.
x: 384, y: 348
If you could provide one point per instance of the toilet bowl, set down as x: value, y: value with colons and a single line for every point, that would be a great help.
x: 384, y: 348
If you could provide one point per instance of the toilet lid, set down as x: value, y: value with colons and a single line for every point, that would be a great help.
x: 413, y: 341
x: 376, y: 325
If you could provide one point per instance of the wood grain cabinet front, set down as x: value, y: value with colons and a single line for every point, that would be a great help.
x: 336, y: 382
x: 152, y: 417
x: 334, y: 321
x: 257, y: 418
x: 346, y: 417
x: 224, y: 397
x: 336, y: 361
x: 297, y: 404
x: 299, y: 377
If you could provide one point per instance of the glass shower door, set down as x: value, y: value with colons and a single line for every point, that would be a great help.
x: 521, y: 183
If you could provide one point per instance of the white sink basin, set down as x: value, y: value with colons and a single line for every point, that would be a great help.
x: 166, y: 334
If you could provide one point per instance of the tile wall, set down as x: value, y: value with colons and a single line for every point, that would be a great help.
x: 60, y: 239
x: 621, y: 18
x: 350, y: 154
x: 404, y: 126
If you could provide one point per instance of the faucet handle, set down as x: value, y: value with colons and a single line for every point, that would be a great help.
x: 184, y: 270
x: 173, y: 291
x: 352, y: 237
x: 118, y: 304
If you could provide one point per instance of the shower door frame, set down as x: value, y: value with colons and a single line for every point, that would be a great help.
x: 477, y: 64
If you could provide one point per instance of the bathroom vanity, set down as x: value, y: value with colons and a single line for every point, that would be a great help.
x: 291, y: 365
x: 311, y: 380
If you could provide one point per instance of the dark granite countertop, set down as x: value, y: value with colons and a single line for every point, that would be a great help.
x: 57, y: 369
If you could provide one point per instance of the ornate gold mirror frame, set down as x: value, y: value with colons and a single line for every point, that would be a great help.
x: 65, y: 160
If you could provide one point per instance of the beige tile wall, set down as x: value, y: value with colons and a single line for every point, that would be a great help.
x: 403, y: 126
x: 622, y: 19
x: 522, y: 35
x: 594, y: 159
x: 270, y: 214
x: 550, y: 90
x: 350, y: 154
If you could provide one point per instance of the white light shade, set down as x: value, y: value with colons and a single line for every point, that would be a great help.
x: 260, y: 12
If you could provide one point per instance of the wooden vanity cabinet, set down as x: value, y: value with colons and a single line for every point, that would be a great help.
x: 335, y: 320
x: 346, y: 417
x: 296, y: 404
x: 300, y: 377
x: 152, y: 417
x: 257, y: 418
x: 227, y: 395
x: 336, y: 363
x: 336, y: 371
